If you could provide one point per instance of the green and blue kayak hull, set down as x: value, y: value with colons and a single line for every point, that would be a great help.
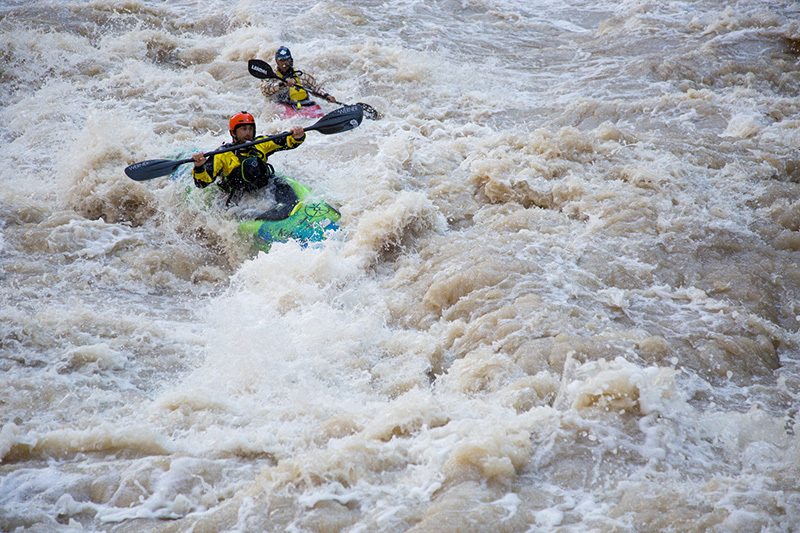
x: 308, y: 223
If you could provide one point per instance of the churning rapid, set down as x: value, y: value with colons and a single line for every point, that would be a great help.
x: 564, y: 295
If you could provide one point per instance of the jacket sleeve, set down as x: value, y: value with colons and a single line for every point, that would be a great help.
x: 312, y: 85
x: 204, y: 176
x: 284, y: 143
x: 270, y: 86
x: 292, y: 143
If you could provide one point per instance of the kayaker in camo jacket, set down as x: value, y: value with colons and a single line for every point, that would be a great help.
x: 247, y: 169
x: 293, y: 87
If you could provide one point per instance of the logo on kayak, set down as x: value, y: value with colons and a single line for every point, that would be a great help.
x: 315, y: 210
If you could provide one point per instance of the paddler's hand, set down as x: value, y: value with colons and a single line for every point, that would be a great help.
x: 289, y: 82
x: 330, y: 98
x: 199, y: 159
x: 298, y: 132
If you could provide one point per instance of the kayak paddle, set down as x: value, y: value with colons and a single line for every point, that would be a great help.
x: 262, y: 70
x: 342, y: 119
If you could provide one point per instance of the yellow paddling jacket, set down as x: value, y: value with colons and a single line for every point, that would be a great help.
x: 228, y: 163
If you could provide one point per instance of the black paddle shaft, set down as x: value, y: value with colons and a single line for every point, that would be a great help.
x: 342, y: 119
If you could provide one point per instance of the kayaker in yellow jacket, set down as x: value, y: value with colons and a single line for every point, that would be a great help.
x: 293, y: 87
x: 247, y: 169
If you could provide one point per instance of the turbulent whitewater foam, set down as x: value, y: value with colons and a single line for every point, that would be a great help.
x: 563, y: 295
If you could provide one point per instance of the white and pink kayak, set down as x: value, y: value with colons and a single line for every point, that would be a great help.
x: 307, y: 111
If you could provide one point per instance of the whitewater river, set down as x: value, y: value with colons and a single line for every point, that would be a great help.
x: 564, y: 296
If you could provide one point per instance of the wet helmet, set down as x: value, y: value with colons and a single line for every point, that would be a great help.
x: 283, y: 53
x: 240, y: 119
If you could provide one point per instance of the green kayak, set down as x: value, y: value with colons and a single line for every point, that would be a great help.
x: 311, y: 220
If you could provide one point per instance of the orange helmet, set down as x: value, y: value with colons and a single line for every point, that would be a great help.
x: 240, y: 119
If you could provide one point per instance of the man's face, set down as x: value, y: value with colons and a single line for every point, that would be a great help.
x: 284, y: 65
x: 244, y: 133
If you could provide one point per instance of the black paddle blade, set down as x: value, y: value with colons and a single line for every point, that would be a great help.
x: 153, y: 168
x: 260, y: 69
x: 343, y: 119
x: 369, y: 111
